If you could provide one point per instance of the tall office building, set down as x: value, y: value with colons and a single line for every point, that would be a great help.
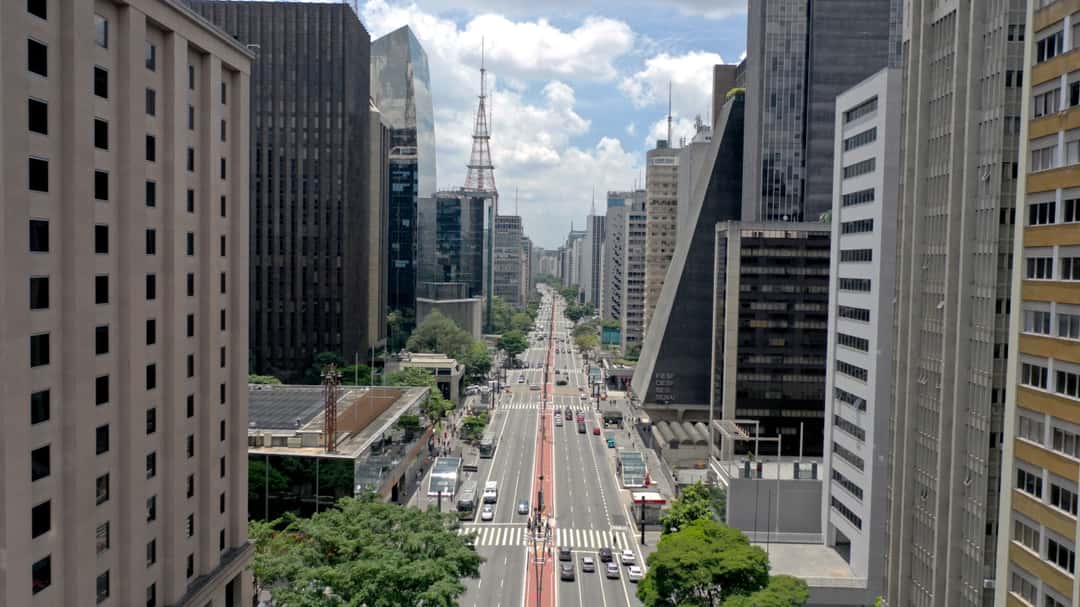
x: 401, y: 88
x: 691, y: 164
x: 592, y: 260
x: 619, y: 207
x: 1040, y: 477
x: 960, y: 113
x: 800, y: 56
x: 510, y: 261
x: 457, y: 223
x: 633, y: 282
x: 859, y: 367
x: 375, y: 301
x: 661, y: 198
x: 309, y: 185
x: 570, y: 261
x: 124, y: 255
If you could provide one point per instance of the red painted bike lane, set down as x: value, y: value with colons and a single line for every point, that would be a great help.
x: 540, y: 579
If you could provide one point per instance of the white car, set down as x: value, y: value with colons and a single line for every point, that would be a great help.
x: 634, y: 573
x: 627, y: 557
x: 488, y: 513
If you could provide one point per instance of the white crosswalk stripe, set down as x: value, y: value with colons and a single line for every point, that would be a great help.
x: 575, y: 539
x: 494, y: 535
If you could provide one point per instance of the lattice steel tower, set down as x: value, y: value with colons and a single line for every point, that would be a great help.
x: 481, y: 175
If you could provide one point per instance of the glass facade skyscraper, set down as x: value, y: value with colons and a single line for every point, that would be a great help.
x: 401, y: 89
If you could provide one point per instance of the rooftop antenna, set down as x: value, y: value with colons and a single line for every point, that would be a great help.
x: 592, y: 211
x: 516, y: 201
x: 668, y: 113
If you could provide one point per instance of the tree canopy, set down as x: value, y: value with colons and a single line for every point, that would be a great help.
x: 705, y: 564
x: 782, y: 591
x: 365, y: 551
x: 587, y: 341
x: 693, y: 504
x: 521, y: 321
x: 322, y: 360
x: 513, y: 343
x: 262, y: 379
x: 436, y: 405
x: 501, y: 315
x: 437, y: 333
x: 477, y: 362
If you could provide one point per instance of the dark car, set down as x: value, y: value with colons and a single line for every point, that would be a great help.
x: 568, y: 413
x: 560, y: 382
x: 581, y: 428
x: 564, y: 554
x: 566, y: 572
x: 605, y: 555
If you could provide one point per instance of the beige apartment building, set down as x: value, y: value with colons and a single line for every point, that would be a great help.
x: 1041, y: 469
x: 661, y: 218
x: 123, y: 313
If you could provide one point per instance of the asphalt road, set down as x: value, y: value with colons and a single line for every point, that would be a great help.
x: 588, y: 504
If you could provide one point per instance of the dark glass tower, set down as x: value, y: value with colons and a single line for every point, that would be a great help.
x: 401, y: 88
x: 309, y: 179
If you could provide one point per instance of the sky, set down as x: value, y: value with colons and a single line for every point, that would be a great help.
x: 578, y: 90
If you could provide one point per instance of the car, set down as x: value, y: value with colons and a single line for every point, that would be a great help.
x: 488, y: 513
x: 634, y: 573
x: 558, y: 422
x: 612, y: 571
x: 627, y: 557
x: 523, y: 507
x: 581, y: 388
x: 566, y: 572
x: 596, y: 430
x: 521, y: 379
x: 564, y: 554
x: 491, y: 492
x: 584, y: 397
x: 534, y: 387
x: 581, y: 428
x: 580, y: 416
x: 588, y: 564
x: 569, y: 413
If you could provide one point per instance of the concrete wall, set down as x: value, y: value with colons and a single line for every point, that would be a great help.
x: 753, y: 505
x: 467, y: 313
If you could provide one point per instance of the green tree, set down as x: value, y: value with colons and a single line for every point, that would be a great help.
x: 356, y: 375
x: 439, y: 334
x: 586, y: 342
x: 367, y: 552
x: 513, y: 343
x: 263, y: 379
x: 472, y: 427
x: 436, y: 406
x: 694, y: 504
x: 782, y: 591
x: 313, y: 374
x: 397, y: 330
x: 521, y: 322
x: 477, y: 362
x: 259, y: 478
x: 703, y: 564
x: 501, y: 315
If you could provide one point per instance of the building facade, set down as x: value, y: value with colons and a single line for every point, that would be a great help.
x: 373, y: 305
x: 770, y: 317
x: 661, y: 198
x: 511, y: 261
x: 633, y: 280
x: 309, y: 190
x: 691, y: 163
x: 401, y: 88
x: 960, y: 116
x: 619, y: 207
x: 858, y: 370
x: 124, y: 253
x: 592, y: 260
x: 458, y: 223
x: 1040, y: 477
x: 800, y: 56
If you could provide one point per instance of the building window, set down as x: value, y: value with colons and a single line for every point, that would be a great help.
x: 151, y: 102
x: 37, y: 119
x: 151, y: 148
x: 846, y: 512
x: 151, y: 376
x: 151, y: 595
x: 101, y: 36
x: 189, y: 525
x: 1033, y: 375
x: 40, y: 463
x: 151, y: 420
x: 151, y: 552
x: 101, y: 289
x: 1029, y: 483
x: 222, y: 206
x: 191, y: 406
x: 101, y: 439
x: 847, y: 397
x: 101, y: 185
x: 102, y: 537
x: 38, y: 175
x: 1049, y: 47
x: 221, y: 503
x: 221, y: 355
x: 151, y: 464
x: 191, y: 159
x: 1029, y: 429
x: 851, y: 341
x: 191, y: 365
x: 190, y: 446
x: 854, y: 489
x: 151, y: 332
x: 190, y: 244
x: 39, y: 293
x: 221, y: 467
x: 854, y: 284
x: 221, y: 321
x: 860, y: 197
x: 103, y: 587
x: 1061, y: 555
x: 858, y: 226
x: 101, y: 239
x: 860, y: 168
x: 221, y: 540
x: 222, y: 281
x: 191, y: 325
x: 222, y: 245
x: 1043, y: 158
x: 101, y: 82
x: 1067, y: 383
x: 41, y: 574
x: 101, y: 390
x: 851, y: 370
x: 849, y: 428
x: 1027, y: 535
x: 39, y: 350
x: 40, y: 519
x: 221, y: 393
x: 101, y: 134
x: 37, y: 58
x: 39, y: 236
x: 102, y: 485
x: 101, y: 340
x: 151, y: 242
x: 1040, y: 268
x: 1041, y: 213
x: 1062, y: 498
x: 860, y: 139
x: 151, y: 287
x: 191, y: 76
x: 864, y: 108
x: 191, y: 117
x: 190, y: 571
x: 191, y: 201
x: 151, y: 194
x: 191, y: 485
x: 1037, y: 321
x: 191, y: 285
x: 856, y: 255
x: 151, y: 509
x: 1066, y: 442
x: 224, y: 90
x: 1046, y: 103
x: 223, y: 130
x: 848, y: 456
x: 39, y: 407
x: 1070, y: 268
x: 151, y: 56
x: 223, y: 168
x: 37, y: 8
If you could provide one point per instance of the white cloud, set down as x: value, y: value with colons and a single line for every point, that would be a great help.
x: 681, y: 128
x: 690, y: 76
x: 631, y: 129
x: 710, y: 9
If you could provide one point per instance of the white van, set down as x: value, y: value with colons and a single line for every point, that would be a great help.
x: 491, y: 492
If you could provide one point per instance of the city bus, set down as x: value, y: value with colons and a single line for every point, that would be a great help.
x: 466, y: 502
x: 444, y: 476
x: 487, y: 445
x: 470, y: 460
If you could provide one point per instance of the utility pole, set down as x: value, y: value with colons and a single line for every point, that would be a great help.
x: 642, y: 520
